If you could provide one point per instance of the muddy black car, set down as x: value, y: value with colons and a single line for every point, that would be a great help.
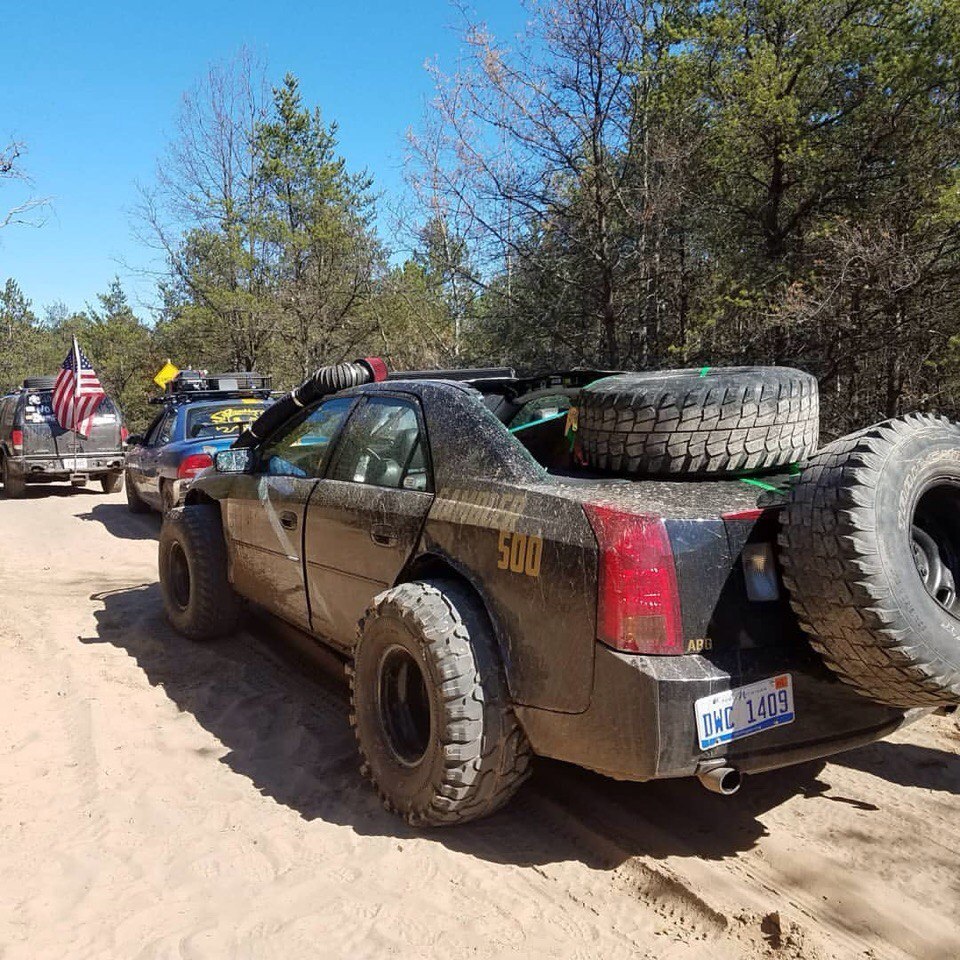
x: 34, y: 448
x: 666, y: 580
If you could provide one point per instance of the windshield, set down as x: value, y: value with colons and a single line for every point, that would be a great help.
x: 222, y: 419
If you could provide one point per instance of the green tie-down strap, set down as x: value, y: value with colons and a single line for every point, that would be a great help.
x: 536, y: 423
x: 763, y: 485
x: 783, y: 487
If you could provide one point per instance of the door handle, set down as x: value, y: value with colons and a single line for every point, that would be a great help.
x: 383, y: 535
x: 288, y: 520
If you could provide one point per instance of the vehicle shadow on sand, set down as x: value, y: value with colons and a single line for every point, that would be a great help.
x: 907, y: 764
x: 120, y: 522
x: 40, y: 491
x: 283, y: 720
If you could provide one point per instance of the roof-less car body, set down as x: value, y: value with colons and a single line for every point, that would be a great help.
x: 315, y: 538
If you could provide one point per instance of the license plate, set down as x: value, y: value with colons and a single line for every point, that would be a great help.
x: 744, y: 711
x: 75, y: 463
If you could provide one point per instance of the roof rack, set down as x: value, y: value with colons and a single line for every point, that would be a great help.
x: 469, y: 373
x: 191, y: 385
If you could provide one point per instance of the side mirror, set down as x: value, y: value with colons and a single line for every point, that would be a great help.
x: 234, y: 461
x: 135, y: 440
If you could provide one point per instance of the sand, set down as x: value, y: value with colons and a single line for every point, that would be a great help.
x: 162, y: 799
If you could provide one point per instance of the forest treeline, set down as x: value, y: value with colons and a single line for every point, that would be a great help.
x: 628, y: 185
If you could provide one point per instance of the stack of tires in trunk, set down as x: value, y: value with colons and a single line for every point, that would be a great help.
x: 870, y: 526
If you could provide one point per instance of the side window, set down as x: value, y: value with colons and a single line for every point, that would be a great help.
x: 302, y: 448
x: 153, y: 431
x: 165, y: 433
x: 382, y: 446
x: 6, y: 415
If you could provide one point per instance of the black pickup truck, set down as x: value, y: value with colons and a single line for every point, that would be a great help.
x: 626, y: 572
x: 34, y: 448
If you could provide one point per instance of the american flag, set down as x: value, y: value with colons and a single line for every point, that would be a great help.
x: 76, y: 396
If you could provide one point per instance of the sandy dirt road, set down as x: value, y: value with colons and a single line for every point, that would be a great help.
x: 162, y: 799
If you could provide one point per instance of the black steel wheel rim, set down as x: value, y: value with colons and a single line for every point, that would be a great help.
x: 935, y: 542
x: 179, y: 571
x: 404, y: 706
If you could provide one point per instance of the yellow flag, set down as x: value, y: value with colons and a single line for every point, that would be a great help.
x: 167, y: 372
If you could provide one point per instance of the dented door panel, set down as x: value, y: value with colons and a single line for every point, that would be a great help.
x: 265, y: 523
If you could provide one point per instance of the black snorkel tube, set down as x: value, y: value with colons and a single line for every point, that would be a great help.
x: 326, y: 380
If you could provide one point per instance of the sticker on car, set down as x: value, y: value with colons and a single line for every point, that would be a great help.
x: 744, y: 711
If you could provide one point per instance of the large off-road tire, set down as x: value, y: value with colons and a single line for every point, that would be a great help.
x: 112, y: 482
x: 870, y: 545
x: 197, y: 596
x: 708, y: 422
x: 135, y: 502
x: 14, y: 486
x: 438, y: 736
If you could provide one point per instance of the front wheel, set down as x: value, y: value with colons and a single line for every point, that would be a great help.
x: 199, y: 599
x: 438, y: 736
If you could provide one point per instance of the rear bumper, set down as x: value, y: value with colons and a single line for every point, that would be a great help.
x: 39, y: 468
x: 640, y: 724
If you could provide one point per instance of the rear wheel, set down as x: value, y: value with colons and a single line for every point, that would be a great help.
x: 198, y: 598
x: 14, y: 486
x: 167, y: 501
x: 135, y: 502
x: 112, y: 482
x: 438, y: 736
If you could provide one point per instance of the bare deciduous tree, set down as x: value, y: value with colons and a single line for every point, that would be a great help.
x: 201, y: 214
x: 27, y: 212
x: 542, y: 147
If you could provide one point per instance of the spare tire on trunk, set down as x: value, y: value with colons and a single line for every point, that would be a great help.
x: 713, y: 421
x: 870, y: 546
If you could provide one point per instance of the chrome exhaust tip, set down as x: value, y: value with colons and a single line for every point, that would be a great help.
x: 722, y: 780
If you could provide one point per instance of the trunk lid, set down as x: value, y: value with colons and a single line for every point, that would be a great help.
x: 716, y: 528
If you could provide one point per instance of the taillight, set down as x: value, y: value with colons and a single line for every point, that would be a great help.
x: 124, y: 434
x: 638, y: 606
x: 192, y: 465
x: 16, y: 440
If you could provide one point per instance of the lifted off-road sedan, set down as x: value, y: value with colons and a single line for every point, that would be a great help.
x: 650, y: 575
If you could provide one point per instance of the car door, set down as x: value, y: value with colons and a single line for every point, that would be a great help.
x: 364, y: 518
x: 266, y: 510
x: 135, y: 451
x: 148, y: 460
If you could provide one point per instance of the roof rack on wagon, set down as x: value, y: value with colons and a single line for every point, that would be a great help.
x: 193, y: 385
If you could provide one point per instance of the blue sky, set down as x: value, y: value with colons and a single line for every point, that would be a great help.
x: 93, y: 89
